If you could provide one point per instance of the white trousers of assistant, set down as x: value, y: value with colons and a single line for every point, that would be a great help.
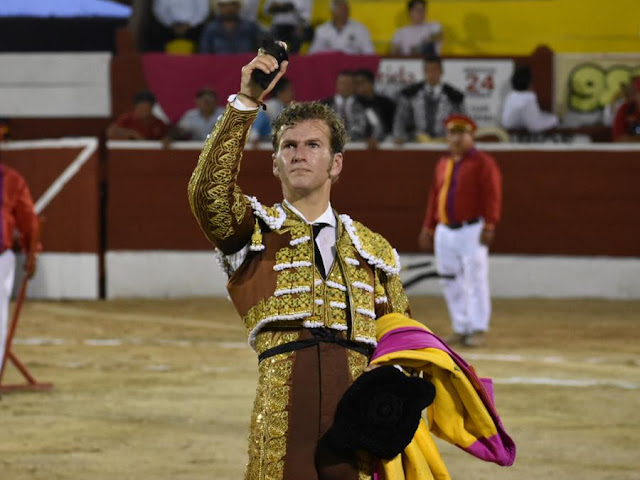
x: 7, y: 271
x: 459, y: 252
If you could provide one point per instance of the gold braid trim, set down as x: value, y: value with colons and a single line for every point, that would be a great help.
x: 216, y: 201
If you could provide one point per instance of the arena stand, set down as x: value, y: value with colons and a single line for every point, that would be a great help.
x: 569, y: 209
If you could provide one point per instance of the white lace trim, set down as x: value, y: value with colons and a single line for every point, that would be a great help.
x: 380, y: 300
x: 256, y: 248
x: 370, y: 341
x: 338, y: 326
x: 298, y: 241
x: 363, y: 286
x: 319, y: 301
x: 351, y: 261
x: 283, y: 266
x: 287, y: 291
x: 317, y: 282
x: 274, y: 223
x: 314, y: 324
x: 331, y: 284
x: 341, y: 305
x: 371, y: 259
x: 368, y: 313
x: 273, y: 318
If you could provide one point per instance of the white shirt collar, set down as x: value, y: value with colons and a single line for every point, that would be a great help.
x: 327, y: 216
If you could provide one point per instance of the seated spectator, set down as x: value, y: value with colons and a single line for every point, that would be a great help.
x: 177, y: 20
x: 281, y: 96
x: 362, y: 123
x: 139, y: 123
x: 290, y: 21
x: 383, y: 106
x: 230, y: 33
x: 197, y: 123
x: 624, y: 94
x: 420, y: 37
x: 341, y: 33
x: 626, y: 124
x: 521, y: 109
x: 423, y: 107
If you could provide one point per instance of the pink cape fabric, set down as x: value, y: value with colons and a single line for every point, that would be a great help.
x: 499, y: 448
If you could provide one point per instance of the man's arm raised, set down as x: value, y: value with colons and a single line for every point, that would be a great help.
x: 218, y: 204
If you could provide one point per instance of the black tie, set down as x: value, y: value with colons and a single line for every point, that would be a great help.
x: 431, y: 106
x: 318, y: 257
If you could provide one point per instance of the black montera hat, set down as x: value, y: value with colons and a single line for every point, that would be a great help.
x: 380, y: 412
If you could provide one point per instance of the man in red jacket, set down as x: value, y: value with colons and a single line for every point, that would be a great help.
x: 464, y: 207
x: 16, y: 212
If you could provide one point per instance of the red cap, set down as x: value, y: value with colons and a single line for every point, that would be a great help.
x: 460, y: 123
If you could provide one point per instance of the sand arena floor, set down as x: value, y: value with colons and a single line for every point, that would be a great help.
x: 163, y: 390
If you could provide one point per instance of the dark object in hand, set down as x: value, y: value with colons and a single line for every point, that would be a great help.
x: 380, y: 412
x: 276, y: 50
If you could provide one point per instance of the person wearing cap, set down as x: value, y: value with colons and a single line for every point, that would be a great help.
x: 464, y: 207
x: 197, y: 123
x: 307, y: 282
x: 626, y: 124
x: 139, y: 123
x: 229, y: 32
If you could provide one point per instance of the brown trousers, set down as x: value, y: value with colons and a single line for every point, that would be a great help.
x: 319, y: 376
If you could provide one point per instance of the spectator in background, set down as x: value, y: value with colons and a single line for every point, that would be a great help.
x: 198, y: 123
x: 626, y: 124
x: 281, y: 96
x: 383, y: 106
x: 230, y: 33
x: 624, y: 94
x: 420, y: 37
x: 521, y: 109
x: 290, y: 21
x: 361, y: 122
x: 180, y: 20
x: 423, y: 107
x: 341, y: 33
x: 139, y: 123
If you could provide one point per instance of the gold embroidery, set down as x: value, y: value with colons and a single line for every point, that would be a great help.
x: 357, y: 363
x: 213, y: 195
x: 270, y: 420
x: 397, y: 298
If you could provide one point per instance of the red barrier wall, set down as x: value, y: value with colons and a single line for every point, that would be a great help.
x: 72, y: 217
x: 555, y: 202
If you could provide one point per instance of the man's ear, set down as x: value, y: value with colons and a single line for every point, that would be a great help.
x: 276, y: 172
x: 336, y: 165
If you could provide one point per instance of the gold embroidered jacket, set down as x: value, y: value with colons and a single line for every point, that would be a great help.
x: 278, y: 283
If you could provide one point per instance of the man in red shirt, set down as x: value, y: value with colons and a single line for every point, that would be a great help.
x: 16, y: 211
x: 464, y: 207
x: 140, y: 123
x: 626, y: 125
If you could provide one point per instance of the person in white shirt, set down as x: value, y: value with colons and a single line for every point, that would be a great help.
x: 177, y: 19
x: 420, y: 37
x: 197, y: 123
x: 289, y: 21
x: 341, y: 33
x: 521, y: 109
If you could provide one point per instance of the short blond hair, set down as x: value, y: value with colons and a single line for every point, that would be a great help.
x: 300, y: 112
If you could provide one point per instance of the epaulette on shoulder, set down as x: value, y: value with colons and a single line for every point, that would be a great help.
x: 373, y: 247
x: 412, y: 90
x: 273, y: 216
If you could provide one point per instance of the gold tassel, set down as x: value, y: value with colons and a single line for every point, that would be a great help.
x: 256, y: 237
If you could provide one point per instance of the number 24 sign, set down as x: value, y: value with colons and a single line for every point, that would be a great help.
x: 479, y: 83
